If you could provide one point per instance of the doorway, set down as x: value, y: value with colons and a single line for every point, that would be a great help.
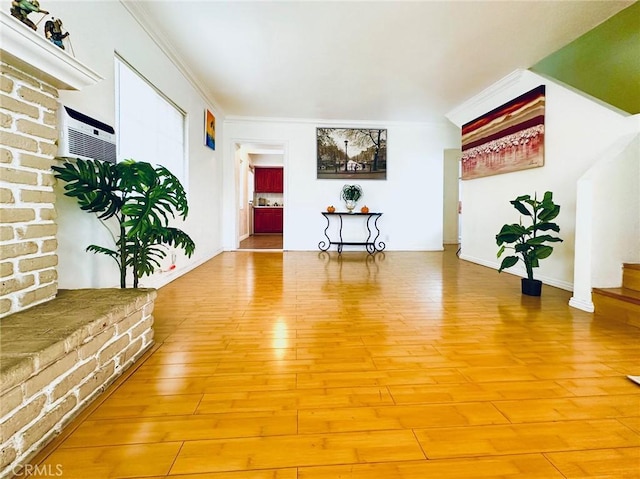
x: 262, y: 242
x: 451, y: 198
x: 261, y: 195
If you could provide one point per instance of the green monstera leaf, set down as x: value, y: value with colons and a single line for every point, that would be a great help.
x: 143, y: 199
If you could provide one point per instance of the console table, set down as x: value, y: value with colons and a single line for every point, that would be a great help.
x: 371, y: 243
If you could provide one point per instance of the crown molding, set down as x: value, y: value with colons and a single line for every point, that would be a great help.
x: 460, y: 114
x: 139, y: 13
x: 42, y: 59
x: 333, y: 123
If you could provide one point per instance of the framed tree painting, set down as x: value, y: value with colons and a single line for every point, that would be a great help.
x: 351, y: 153
x: 508, y: 138
x: 210, y: 130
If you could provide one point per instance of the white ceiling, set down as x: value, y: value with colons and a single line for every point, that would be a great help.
x: 364, y: 60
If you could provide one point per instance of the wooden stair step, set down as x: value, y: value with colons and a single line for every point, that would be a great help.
x: 623, y: 294
x: 631, y: 276
x: 620, y: 304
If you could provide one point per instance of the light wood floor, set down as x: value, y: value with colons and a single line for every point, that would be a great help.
x: 304, y: 365
x: 262, y: 242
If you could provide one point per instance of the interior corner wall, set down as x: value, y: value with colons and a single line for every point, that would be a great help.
x: 410, y: 198
x: 577, y: 131
x: 617, y: 183
x: 243, y: 190
x: 98, y: 29
x: 451, y: 196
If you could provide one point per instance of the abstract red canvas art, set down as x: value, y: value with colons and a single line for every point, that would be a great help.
x: 508, y: 138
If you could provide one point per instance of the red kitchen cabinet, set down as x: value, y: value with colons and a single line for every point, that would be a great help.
x: 268, y: 180
x: 267, y: 220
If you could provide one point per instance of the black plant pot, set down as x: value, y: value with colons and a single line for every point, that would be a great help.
x: 531, y: 287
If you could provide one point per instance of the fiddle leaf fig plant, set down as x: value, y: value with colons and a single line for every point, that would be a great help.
x: 141, y: 199
x: 529, y: 243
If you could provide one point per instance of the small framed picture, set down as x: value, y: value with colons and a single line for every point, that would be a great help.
x: 209, y: 130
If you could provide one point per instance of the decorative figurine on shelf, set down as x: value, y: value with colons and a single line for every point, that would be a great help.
x: 22, y: 8
x: 53, y: 32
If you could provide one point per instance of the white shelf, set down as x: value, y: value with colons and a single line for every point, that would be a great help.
x: 39, y: 57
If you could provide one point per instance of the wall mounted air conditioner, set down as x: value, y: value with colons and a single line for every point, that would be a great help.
x: 84, y: 137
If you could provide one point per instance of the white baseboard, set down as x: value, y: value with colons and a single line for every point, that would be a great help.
x: 567, y: 286
x: 581, y: 304
x: 160, y: 280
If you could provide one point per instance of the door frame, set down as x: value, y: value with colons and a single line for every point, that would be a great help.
x: 240, y: 147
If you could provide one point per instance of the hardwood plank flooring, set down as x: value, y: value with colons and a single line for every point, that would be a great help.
x: 305, y: 365
x: 262, y: 241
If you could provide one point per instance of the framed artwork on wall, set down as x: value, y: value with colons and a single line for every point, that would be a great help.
x: 209, y: 130
x: 351, y: 153
x: 508, y: 138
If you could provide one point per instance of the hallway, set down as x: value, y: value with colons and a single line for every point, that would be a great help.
x: 262, y: 241
x: 307, y: 365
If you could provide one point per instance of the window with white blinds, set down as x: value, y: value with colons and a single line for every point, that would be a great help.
x: 150, y: 126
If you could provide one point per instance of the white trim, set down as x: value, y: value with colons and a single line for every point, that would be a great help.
x: 138, y: 11
x: 159, y: 280
x: 236, y: 143
x: 459, y: 115
x: 41, y: 58
x: 325, y: 123
x: 514, y: 271
x: 582, y: 304
x: 119, y: 58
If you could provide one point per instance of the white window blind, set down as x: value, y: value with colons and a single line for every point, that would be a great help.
x: 150, y: 126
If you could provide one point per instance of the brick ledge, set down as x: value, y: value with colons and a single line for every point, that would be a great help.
x: 56, y: 357
x: 35, y: 337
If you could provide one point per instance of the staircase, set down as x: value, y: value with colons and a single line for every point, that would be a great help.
x: 620, y: 304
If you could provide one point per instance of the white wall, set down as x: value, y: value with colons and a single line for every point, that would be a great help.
x: 616, y: 182
x: 451, y: 164
x: 267, y: 160
x: 577, y: 130
x: 97, y: 30
x: 243, y: 161
x: 410, y: 198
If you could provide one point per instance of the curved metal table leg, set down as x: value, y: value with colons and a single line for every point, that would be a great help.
x: 371, y: 243
x: 324, y: 246
x: 380, y: 246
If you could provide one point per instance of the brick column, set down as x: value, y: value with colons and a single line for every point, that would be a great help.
x: 28, y: 133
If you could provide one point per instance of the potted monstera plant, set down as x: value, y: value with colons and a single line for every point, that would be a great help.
x: 138, y: 199
x: 530, y: 242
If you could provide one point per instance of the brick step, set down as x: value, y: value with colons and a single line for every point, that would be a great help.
x: 618, y: 304
x: 71, y: 348
x: 631, y: 276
